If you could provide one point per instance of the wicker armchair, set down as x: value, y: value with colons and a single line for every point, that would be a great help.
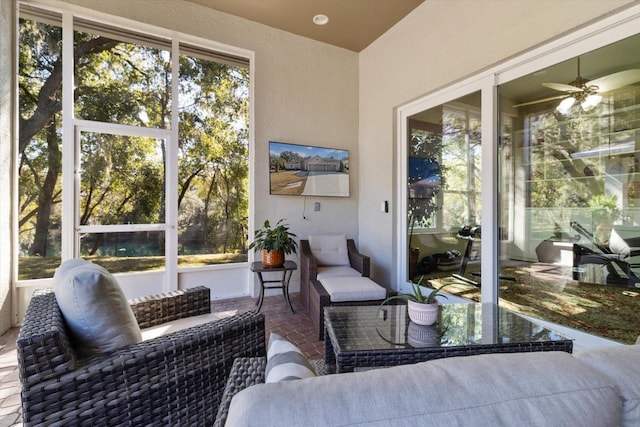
x: 175, y: 379
x: 309, y: 267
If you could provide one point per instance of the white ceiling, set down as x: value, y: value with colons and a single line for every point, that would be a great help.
x: 353, y: 24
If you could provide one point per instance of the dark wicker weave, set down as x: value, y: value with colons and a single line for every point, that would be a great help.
x: 248, y: 371
x: 176, y: 379
x: 309, y: 267
x: 350, y: 361
x: 355, y: 337
x: 320, y: 298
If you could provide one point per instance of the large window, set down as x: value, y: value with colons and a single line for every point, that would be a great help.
x: 569, y: 192
x: 114, y: 181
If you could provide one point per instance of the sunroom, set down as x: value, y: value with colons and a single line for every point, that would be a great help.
x: 510, y: 174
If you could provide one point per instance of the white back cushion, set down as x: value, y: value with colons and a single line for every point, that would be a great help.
x: 621, y: 363
x: 330, y: 249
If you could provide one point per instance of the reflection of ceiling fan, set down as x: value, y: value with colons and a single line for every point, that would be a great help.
x: 586, y: 92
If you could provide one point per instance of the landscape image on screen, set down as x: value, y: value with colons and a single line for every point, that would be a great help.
x: 301, y: 170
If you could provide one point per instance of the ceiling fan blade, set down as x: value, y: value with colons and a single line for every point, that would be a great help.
x: 541, y: 100
x: 562, y: 87
x: 616, y: 80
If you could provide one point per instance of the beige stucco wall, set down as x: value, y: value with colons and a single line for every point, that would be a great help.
x: 440, y: 42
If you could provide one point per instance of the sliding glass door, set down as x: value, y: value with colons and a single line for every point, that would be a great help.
x: 570, y: 192
x: 443, y: 195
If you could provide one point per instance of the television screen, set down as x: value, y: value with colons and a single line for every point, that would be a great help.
x: 424, y: 177
x: 302, y: 170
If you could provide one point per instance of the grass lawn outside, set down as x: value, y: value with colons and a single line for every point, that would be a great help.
x: 288, y: 183
x: 42, y: 268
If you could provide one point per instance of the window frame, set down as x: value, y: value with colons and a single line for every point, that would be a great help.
x: 71, y: 128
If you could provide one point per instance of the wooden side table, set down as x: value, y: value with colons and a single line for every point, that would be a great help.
x: 287, y: 270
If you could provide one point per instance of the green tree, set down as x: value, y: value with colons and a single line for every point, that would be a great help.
x: 40, y: 84
x: 122, y: 178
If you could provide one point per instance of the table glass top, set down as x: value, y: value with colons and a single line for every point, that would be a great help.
x: 367, y: 328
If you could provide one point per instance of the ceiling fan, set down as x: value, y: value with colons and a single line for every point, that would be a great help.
x: 585, y: 91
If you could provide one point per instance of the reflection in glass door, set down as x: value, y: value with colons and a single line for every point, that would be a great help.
x: 443, y: 204
x: 570, y: 217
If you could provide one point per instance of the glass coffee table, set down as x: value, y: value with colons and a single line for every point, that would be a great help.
x: 365, y: 337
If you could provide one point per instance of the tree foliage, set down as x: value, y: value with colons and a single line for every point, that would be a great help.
x: 122, y: 178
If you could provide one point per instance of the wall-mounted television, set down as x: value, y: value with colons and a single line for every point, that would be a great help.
x: 304, y: 170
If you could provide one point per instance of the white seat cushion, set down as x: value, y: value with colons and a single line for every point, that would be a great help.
x: 330, y: 250
x: 337, y: 271
x: 343, y: 289
x: 177, y: 325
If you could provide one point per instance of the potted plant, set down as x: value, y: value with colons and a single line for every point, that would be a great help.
x: 274, y: 242
x: 422, y: 307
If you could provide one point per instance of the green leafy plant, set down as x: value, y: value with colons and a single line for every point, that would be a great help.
x: 604, y: 207
x: 417, y: 295
x: 277, y: 238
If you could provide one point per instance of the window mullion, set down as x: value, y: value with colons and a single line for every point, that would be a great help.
x: 171, y: 180
x: 70, y: 181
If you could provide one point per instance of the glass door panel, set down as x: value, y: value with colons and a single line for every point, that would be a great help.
x: 443, y: 203
x: 569, y: 190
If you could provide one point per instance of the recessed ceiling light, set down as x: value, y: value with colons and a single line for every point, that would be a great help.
x: 320, y: 19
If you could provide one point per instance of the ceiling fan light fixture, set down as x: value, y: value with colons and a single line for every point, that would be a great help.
x: 565, y: 105
x: 591, y: 102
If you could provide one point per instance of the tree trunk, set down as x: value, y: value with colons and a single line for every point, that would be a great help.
x: 45, y: 200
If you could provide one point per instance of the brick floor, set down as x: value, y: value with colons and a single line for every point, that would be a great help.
x: 296, y: 327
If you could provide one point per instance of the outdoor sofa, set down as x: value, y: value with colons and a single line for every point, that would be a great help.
x: 597, y: 387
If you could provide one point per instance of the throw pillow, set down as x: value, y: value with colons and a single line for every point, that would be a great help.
x: 94, y: 307
x: 285, y: 362
x: 330, y: 249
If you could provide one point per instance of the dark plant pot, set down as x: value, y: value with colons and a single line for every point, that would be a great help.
x: 271, y: 259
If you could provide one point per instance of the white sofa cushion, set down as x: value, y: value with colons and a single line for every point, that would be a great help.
x: 526, y: 389
x: 353, y: 289
x: 176, y: 325
x: 330, y: 249
x: 94, y: 307
x: 622, y: 364
x: 285, y: 361
x: 337, y: 271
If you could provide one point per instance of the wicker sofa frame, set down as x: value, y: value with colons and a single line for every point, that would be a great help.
x: 175, y: 379
x: 309, y: 268
x: 246, y: 372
